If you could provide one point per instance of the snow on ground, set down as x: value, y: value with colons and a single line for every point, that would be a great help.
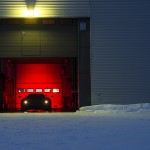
x: 104, y: 127
x: 142, y: 107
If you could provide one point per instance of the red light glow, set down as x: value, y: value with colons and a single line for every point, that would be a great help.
x: 34, y: 78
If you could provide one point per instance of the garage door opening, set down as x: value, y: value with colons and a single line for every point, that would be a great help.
x: 56, y: 78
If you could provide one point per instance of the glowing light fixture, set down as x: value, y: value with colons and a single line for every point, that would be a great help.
x: 31, y: 13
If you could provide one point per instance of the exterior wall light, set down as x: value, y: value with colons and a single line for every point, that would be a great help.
x: 31, y: 13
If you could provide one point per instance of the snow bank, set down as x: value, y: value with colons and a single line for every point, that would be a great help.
x: 142, y: 107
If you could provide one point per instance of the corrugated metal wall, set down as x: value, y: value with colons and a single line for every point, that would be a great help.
x: 64, y: 8
x: 55, y: 8
x: 120, y: 50
x: 38, y: 41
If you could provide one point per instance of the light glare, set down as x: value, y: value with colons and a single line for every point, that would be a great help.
x: 31, y: 13
x: 25, y: 102
x: 46, y: 102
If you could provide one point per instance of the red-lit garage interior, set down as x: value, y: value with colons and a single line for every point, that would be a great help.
x: 56, y: 78
x: 45, y: 56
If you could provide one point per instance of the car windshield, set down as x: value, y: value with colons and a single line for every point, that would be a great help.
x: 35, y: 96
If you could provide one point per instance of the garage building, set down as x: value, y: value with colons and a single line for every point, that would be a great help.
x: 76, y: 52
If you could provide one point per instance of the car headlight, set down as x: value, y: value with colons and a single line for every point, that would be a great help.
x: 46, y: 102
x: 25, y: 102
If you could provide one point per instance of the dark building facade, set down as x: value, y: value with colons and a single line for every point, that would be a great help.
x: 78, y: 53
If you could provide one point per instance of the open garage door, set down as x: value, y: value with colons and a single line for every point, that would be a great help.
x: 55, y: 78
x: 39, y: 78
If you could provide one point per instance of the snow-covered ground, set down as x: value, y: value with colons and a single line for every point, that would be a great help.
x: 103, y: 127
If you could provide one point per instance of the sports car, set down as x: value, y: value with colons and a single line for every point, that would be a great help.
x: 35, y: 102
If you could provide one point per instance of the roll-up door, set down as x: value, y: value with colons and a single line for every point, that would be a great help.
x: 39, y: 78
x: 38, y: 37
x: 30, y: 43
x: 55, y: 78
